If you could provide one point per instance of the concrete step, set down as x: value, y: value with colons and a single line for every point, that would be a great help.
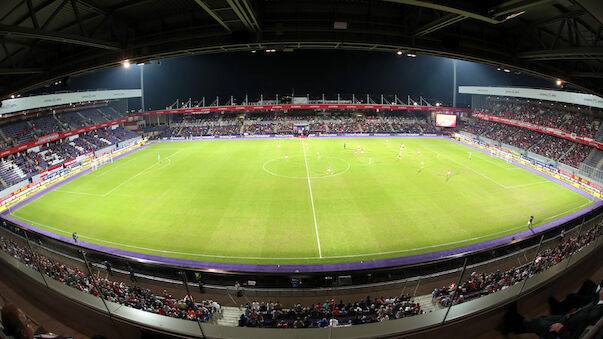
x: 229, y: 316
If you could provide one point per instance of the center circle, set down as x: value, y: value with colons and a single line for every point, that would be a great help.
x: 295, y: 167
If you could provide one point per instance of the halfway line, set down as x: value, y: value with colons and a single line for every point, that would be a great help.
x: 311, y: 199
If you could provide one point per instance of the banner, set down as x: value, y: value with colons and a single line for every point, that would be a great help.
x: 547, y: 130
x: 538, y: 94
x: 50, y: 100
x: 565, y: 176
x: 56, y: 136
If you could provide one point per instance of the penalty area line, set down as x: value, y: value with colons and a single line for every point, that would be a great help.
x: 311, y: 199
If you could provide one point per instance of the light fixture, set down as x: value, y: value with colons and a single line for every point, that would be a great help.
x: 126, y: 63
x: 411, y: 55
x: 559, y: 82
x: 12, y: 96
x: 507, y: 70
x: 438, y: 104
x: 399, y: 52
x: 416, y: 104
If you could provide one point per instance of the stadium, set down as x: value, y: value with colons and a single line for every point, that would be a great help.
x: 280, y: 194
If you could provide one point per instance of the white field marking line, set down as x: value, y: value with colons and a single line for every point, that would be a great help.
x: 291, y: 177
x: 311, y: 199
x: 280, y: 258
x: 575, y: 208
x: 139, y: 173
x: 116, y: 166
x: 509, y: 168
x: 80, y: 193
x: 494, y: 181
x: 126, y: 181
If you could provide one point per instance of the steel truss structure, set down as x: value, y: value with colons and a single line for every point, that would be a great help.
x: 42, y: 41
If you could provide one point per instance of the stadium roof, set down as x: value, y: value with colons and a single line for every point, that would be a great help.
x: 42, y: 41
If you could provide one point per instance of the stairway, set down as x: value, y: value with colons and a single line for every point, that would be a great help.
x: 108, y: 117
x: 566, y: 152
x: 427, y: 303
x: 88, y: 122
x: 228, y: 317
x: 61, y: 123
x: 599, y: 135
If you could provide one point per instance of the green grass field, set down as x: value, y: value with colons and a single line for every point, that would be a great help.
x: 242, y: 201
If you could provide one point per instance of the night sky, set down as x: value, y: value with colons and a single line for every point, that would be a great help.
x: 312, y: 72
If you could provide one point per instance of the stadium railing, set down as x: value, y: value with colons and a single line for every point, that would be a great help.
x: 90, y: 263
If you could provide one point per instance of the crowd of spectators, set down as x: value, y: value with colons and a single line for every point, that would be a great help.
x: 24, y: 165
x: 21, y: 132
x: 267, y: 128
x: 480, y: 284
x: 523, y: 138
x: 114, y: 291
x: 537, y: 113
x: 270, y: 123
x: 226, y: 130
x: 577, y: 155
x: 329, y: 313
x: 552, y: 147
x: 344, y: 126
x: 563, y: 150
x: 478, y: 127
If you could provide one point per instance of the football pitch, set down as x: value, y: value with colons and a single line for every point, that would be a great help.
x: 275, y: 201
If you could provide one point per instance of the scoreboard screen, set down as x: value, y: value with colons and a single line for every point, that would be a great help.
x: 445, y: 120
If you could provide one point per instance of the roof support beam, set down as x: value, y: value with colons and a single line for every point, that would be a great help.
x: 212, y: 14
x: 54, y: 14
x: 444, y: 21
x: 243, y: 15
x: 20, y: 71
x: 30, y: 33
x: 516, y: 6
x: 32, y: 14
x: 587, y: 75
x: 560, y: 54
x: 448, y: 9
x: 252, y: 15
x: 78, y: 17
x: 6, y: 52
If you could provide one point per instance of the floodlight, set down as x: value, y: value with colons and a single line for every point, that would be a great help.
x: 126, y: 63
x: 559, y: 82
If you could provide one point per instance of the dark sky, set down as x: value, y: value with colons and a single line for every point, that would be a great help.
x: 313, y: 72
